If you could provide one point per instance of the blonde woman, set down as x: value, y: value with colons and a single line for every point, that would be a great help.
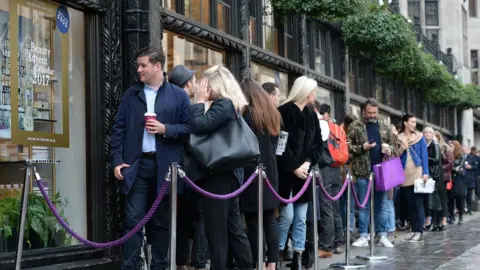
x: 223, y: 222
x: 434, y: 204
x: 302, y: 151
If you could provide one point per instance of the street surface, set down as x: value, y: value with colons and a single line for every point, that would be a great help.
x: 458, y: 248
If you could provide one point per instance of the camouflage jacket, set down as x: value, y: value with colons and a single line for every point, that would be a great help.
x: 356, y: 137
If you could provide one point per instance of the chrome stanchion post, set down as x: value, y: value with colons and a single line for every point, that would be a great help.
x: 347, y: 264
x: 23, y: 216
x: 315, y: 174
x: 260, y: 217
x: 173, y: 215
x: 372, y: 258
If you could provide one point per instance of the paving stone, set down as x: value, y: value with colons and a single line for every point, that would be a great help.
x: 458, y: 248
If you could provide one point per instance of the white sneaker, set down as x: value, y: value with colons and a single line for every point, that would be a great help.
x: 361, y: 242
x: 409, y: 236
x: 385, y: 242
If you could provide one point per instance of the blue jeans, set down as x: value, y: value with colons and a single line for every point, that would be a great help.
x: 137, y: 202
x: 295, y: 213
x: 383, y: 208
x: 343, y: 211
x: 384, y: 213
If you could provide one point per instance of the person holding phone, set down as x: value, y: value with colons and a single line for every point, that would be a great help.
x: 368, y: 141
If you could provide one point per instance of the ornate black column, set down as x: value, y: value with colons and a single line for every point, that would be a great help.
x: 111, y: 94
x: 135, y: 35
x: 239, y: 63
x: 303, y: 42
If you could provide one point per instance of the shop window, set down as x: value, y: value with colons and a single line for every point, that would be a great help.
x: 42, y: 58
x: 180, y: 51
x: 270, y: 32
x: 198, y: 10
x: 326, y: 97
x: 223, y: 15
x: 264, y: 74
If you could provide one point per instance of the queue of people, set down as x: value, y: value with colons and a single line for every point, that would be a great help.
x: 225, y: 231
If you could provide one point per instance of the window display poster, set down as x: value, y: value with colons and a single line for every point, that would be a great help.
x: 39, y: 30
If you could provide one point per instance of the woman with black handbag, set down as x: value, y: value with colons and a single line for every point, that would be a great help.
x: 264, y: 120
x: 302, y: 151
x: 216, y: 164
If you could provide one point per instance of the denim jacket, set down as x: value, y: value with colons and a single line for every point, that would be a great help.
x: 419, y: 154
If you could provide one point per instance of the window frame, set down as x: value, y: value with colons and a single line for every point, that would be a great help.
x: 474, y: 62
x: 428, y: 15
x: 473, y: 8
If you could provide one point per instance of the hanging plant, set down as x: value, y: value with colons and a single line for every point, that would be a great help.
x: 319, y: 9
x: 434, y: 75
x: 378, y: 31
x: 405, y: 65
x: 454, y: 94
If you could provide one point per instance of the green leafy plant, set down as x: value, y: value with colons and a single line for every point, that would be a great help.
x: 40, y: 220
x: 319, y: 9
x: 378, y: 31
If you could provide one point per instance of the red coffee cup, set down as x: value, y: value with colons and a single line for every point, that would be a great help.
x: 147, y: 116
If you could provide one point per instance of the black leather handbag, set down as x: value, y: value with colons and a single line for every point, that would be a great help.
x: 233, y: 145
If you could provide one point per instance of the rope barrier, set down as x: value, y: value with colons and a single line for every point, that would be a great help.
x: 114, y: 243
x: 293, y: 199
x: 367, y: 196
x: 328, y: 196
x: 205, y: 193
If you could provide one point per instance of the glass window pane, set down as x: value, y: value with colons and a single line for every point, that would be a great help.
x: 472, y: 8
x: 180, y: 51
x: 223, y: 18
x: 264, y: 74
x: 474, y: 58
x: 433, y: 35
x: 49, y: 76
x: 198, y: 10
x: 170, y: 4
x: 253, y: 31
x: 413, y: 9
x: 431, y: 12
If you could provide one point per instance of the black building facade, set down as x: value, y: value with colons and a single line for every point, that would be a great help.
x: 245, y: 36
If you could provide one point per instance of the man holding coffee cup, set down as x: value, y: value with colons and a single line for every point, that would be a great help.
x: 149, y: 128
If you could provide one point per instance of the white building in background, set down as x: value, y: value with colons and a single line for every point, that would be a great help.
x: 455, y: 26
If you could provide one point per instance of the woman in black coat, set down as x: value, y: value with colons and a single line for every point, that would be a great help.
x: 264, y: 120
x: 223, y: 223
x: 302, y: 151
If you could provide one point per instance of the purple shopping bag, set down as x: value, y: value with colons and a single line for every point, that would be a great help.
x: 388, y: 174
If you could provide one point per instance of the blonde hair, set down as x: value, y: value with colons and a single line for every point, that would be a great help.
x: 224, y: 84
x: 302, y: 87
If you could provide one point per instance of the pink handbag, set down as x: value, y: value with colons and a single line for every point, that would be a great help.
x: 388, y: 174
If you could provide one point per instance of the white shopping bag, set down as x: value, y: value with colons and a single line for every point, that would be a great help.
x: 422, y: 187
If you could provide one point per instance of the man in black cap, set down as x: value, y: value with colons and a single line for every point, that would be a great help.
x: 189, y: 203
x: 184, y: 78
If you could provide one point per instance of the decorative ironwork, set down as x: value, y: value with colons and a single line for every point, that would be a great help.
x: 90, y: 5
x: 112, y: 93
x: 244, y: 71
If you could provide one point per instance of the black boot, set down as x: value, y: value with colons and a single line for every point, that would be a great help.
x: 296, y: 261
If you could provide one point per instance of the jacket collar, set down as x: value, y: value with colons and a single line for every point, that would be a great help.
x: 138, y: 86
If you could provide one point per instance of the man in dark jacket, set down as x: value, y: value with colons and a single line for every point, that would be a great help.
x: 471, y: 165
x: 189, y: 204
x: 142, y: 152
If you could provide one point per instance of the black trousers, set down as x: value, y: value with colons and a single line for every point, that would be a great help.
x: 469, y: 198
x: 137, y: 202
x: 270, y: 228
x: 330, y: 224
x: 190, y: 224
x: 458, y: 203
x: 223, y: 224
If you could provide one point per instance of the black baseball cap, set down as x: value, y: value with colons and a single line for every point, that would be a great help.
x: 180, y: 75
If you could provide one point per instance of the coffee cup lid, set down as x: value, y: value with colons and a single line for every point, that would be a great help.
x: 150, y: 114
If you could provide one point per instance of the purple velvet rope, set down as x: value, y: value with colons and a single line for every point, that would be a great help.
x: 217, y: 196
x: 328, y: 196
x: 367, y: 196
x: 114, y: 243
x: 291, y: 200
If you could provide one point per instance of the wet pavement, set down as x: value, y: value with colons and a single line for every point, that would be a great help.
x: 457, y: 248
